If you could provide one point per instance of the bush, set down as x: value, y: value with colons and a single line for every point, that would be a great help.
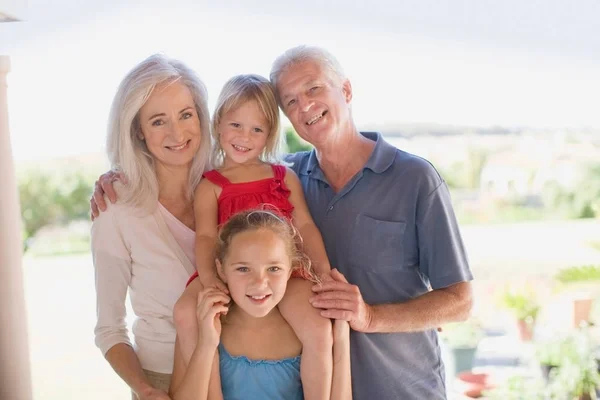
x: 52, y: 198
x: 294, y: 143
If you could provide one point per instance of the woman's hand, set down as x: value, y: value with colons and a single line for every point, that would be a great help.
x: 153, y: 394
x: 211, y: 305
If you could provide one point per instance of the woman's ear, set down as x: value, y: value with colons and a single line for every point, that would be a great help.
x: 220, y: 270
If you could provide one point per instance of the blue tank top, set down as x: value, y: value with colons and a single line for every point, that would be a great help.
x: 246, y: 379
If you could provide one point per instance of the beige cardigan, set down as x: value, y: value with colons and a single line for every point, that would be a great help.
x: 139, y: 254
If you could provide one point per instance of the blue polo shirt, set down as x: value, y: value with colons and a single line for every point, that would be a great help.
x: 392, y: 232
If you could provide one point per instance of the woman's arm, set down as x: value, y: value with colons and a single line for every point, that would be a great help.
x: 312, y: 239
x: 341, y: 387
x: 112, y: 266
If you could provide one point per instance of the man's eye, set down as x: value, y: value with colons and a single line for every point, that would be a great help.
x: 291, y: 103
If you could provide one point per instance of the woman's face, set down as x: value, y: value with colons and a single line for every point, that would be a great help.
x: 256, y: 269
x: 170, y: 125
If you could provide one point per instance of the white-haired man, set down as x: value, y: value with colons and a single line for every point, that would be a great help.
x: 389, y: 228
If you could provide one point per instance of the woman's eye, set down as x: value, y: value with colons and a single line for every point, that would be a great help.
x: 157, y: 122
x: 312, y: 89
x: 187, y: 115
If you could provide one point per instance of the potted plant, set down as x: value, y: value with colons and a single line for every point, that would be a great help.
x: 578, y: 374
x: 583, y: 282
x: 523, y: 304
x: 552, y: 354
x: 462, y: 338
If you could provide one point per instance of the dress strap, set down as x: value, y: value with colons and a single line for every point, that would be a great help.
x: 279, y: 171
x: 215, y: 177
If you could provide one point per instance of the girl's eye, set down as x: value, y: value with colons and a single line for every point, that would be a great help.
x: 258, y: 130
x: 157, y: 122
x: 274, y: 269
x: 235, y: 124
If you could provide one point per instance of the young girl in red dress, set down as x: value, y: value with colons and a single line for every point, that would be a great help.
x: 248, y: 175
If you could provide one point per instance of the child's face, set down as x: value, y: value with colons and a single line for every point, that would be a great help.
x: 256, y: 270
x: 243, y: 133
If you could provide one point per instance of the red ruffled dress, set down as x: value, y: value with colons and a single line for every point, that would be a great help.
x: 270, y: 193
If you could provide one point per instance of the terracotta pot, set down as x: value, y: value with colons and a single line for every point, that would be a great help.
x: 525, y: 330
x: 581, y: 311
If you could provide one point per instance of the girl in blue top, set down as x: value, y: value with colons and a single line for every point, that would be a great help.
x: 247, y: 345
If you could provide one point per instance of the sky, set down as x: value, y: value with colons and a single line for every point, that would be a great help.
x: 478, y: 63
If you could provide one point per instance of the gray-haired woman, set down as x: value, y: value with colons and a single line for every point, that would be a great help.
x: 158, y: 138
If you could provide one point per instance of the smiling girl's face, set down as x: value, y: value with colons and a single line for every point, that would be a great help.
x: 256, y: 269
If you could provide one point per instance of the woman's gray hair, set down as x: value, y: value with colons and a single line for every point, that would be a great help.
x: 299, y: 54
x: 127, y: 152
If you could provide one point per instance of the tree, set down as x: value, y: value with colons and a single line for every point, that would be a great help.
x: 294, y: 143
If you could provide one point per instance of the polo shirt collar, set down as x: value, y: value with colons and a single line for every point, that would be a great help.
x: 380, y: 160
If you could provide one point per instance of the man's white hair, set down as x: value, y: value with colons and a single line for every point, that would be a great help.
x: 300, y: 54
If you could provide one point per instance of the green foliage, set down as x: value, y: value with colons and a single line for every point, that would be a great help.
x: 523, y: 304
x: 518, y: 388
x: 582, y: 201
x: 463, y: 335
x: 467, y: 174
x: 294, y: 142
x: 556, y: 352
x: 580, y: 274
x: 48, y: 198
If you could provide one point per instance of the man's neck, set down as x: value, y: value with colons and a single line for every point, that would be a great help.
x: 342, y: 161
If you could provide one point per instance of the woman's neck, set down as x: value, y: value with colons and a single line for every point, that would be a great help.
x: 173, y: 183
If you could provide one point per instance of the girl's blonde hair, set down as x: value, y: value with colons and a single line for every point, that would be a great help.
x: 252, y: 220
x: 127, y: 152
x: 237, y: 91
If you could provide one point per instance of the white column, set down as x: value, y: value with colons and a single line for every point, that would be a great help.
x: 15, y: 378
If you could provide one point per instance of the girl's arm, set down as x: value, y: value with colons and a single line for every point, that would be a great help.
x: 312, y: 239
x: 112, y: 267
x: 197, y: 380
x: 341, y: 387
x: 206, y: 215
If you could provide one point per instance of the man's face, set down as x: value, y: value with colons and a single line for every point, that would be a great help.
x: 316, y: 102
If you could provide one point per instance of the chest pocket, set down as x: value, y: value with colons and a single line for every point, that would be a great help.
x: 377, y: 245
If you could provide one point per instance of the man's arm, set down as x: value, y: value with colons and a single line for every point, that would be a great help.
x: 341, y: 300
x: 104, y: 185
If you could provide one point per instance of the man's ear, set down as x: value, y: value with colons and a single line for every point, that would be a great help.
x: 347, y: 90
x: 220, y: 270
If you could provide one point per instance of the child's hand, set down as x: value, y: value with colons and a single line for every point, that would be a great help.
x: 211, y: 305
x: 213, y: 281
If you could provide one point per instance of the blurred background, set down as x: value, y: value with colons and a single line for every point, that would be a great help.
x: 502, y: 97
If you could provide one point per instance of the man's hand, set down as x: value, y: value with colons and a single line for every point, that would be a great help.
x: 341, y: 300
x: 104, y: 185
